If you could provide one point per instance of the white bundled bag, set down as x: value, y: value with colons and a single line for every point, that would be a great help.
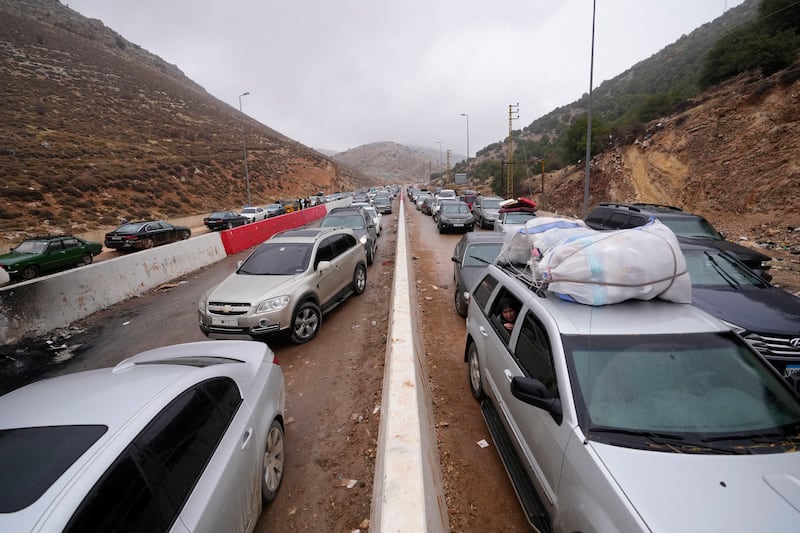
x: 606, y: 267
x: 539, y: 233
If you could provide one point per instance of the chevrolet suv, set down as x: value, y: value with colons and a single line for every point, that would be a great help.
x: 286, y: 284
x: 598, y: 412
x: 629, y: 215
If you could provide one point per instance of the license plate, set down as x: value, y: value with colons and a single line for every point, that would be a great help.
x: 224, y: 321
x: 458, y: 225
x: 791, y: 370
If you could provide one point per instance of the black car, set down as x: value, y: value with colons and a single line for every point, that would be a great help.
x: 360, y: 222
x: 224, y: 220
x: 609, y: 216
x: 472, y: 254
x: 454, y: 216
x: 767, y: 317
x: 143, y: 235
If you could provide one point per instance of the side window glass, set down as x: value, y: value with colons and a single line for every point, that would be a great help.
x: 54, y: 247
x: 533, y: 353
x: 618, y: 220
x: 339, y: 246
x: 484, y: 290
x: 70, y: 243
x: 503, y: 314
x: 638, y: 220
x: 348, y: 242
x: 325, y: 251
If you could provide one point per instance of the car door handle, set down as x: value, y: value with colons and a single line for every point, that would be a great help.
x: 483, y: 331
x: 508, y: 374
x: 246, y: 437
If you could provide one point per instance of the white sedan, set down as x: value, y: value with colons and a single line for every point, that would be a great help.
x: 254, y: 214
x: 182, y: 438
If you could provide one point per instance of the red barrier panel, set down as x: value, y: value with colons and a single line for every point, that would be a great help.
x: 243, y: 237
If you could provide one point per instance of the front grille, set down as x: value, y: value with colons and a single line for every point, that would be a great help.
x: 228, y: 308
x: 774, y: 345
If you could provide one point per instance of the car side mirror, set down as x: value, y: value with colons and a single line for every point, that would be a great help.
x: 322, y: 266
x: 533, y: 392
x: 455, y: 259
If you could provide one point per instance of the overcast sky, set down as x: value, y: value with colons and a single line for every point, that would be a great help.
x: 338, y: 74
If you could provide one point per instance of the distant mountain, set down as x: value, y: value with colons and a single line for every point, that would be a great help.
x: 396, y: 163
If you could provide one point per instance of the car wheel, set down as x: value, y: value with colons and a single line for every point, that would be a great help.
x: 439, y: 226
x: 370, y: 255
x: 29, y: 272
x: 461, y: 304
x: 229, y: 225
x: 474, y: 365
x: 86, y: 259
x: 306, y: 322
x: 185, y: 235
x: 274, y: 463
x: 148, y: 243
x: 359, y: 279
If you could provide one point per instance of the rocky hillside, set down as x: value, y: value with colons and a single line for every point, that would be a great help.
x: 93, y: 129
x: 396, y: 163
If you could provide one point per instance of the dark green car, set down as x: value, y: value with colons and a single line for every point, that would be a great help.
x: 40, y: 255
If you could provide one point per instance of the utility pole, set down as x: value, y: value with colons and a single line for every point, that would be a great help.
x: 244, y: 145
x: 448, y: 181
x: 513, y: 114
x: 467, y: 116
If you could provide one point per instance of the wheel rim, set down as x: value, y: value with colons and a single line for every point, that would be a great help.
x: 87, y: 259
x: 306, y: 323
x: 29, y: 272
x: 148, y: 243
x: 361, y: 279
x: 273, y: 459
x: 230, y: 225
x: 474, y: 369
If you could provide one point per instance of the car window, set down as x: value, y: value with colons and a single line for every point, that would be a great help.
x: 147, y: 486
x: 618, y: 220
x: 491, y: 203
x: 31, y: 463
x: 342, y: 243
x: 691, y: 227
x: 346, y: 221
x: 277, y: 259
x: 326, y: 251
x: 518, y: 218
x: 70, y: 243
x: 481, y: 254
x: 503, y: 299
x: 54, y: 247
x: 484, y: 290
x: 31, y: 247
x: 533, y: 353
x: 712, y: 268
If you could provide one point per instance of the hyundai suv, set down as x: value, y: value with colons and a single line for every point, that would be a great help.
x: 286, y: 284
x: 629, y: 215
x: 613, y: 417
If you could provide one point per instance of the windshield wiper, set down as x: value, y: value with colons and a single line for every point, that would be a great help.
x: 481, y: 259
x: 674, y: 441
x: 725, y: 275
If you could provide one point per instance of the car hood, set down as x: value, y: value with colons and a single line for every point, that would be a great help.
x: 681, y: 492
x: 456, y: 218
x: 766, y: 310
x: 471, y: 275
x: 252, y: 288
x: 12, y: 258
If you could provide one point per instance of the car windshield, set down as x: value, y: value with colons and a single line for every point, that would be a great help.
x: 277, y: 259
x: 694, y: 227
x: 129, y: 228
x: 712, y: 268
x: 481, y: 254
x: 518, y: 218
x: 700, y: 388
x: 31, y: 247
x: 344, y: 221
x: 455, y: 209
x: 491, y: 203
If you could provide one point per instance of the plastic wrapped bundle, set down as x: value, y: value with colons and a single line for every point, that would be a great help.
x: 606, y: 267
x: 538, y: 234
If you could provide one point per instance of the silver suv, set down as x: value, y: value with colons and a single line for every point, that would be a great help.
x: 637, y: 416
x: 287, y: 284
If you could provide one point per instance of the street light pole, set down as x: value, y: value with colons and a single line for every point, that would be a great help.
x: 466, y: 115
x: 244, y: 145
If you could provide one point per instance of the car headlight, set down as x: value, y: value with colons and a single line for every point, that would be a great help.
x: 363, y: 239
x: 202, y: 303
x: 273, y: 304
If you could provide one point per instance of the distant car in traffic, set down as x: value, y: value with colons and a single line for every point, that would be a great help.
x: 274, y: 210
x: 485, y: 209
x: 360, y: 222
x: 454, y: 216
x: 144, y: 235
x: 471, y: 256
x: 188, y: 437
x: 224, y: 220
x: 253, y: 214
x: 41, y: 255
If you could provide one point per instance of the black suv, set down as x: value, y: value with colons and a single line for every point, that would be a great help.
x: 360, y: 222
x: 607, y: 216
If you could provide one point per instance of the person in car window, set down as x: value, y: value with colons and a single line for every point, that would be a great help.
x: 508, y: 314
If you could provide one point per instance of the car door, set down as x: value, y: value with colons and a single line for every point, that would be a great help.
x: 54, y: 257
x: 73, y: 252
x: 328, y: 278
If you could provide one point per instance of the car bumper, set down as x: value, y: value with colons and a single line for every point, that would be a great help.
x: 243, y: 324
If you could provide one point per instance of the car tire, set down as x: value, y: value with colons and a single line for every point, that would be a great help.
x: 461, y: 305
x: 359, y: 279
x: 87, y: 259
x: 439, y: 227
x: 147, y: 243
x: 305, y: 322
x: 229, y: 225
x: 370, y: 255
x: 29, y: 272
x: 185, y: 235
x: 274, y: 463
x: 474, y: 369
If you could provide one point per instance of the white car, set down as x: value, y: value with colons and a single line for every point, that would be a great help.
x: 5, y: 278
x: 182, y: 438
x: 254, y: 214
x: 376, y: 217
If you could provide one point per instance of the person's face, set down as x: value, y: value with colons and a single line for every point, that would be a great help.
x: 508, y: 314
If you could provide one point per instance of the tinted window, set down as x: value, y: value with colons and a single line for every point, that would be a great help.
x: 533, y: 353
x: 484, y: 289
x: 70, y: 243
x: 278, y: 259
x: 147, y: 486
x: 325, y: 252
x: 54, y: 247
x: 30, y: 462
x: 343, y: 243
x: 618, y: 220
x: 481, y: 254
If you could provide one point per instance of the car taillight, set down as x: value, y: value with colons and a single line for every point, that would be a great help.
x: 131, y: 237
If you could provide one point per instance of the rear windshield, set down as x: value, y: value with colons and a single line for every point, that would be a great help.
x: 346, y: 221
x: 32, y: 459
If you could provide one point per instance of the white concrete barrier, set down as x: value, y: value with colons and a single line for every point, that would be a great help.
x: 43, y: 304
x: 407, y: 490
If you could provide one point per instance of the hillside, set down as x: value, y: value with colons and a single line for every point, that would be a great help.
x: 396, y: 163
x: 93, y: 129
